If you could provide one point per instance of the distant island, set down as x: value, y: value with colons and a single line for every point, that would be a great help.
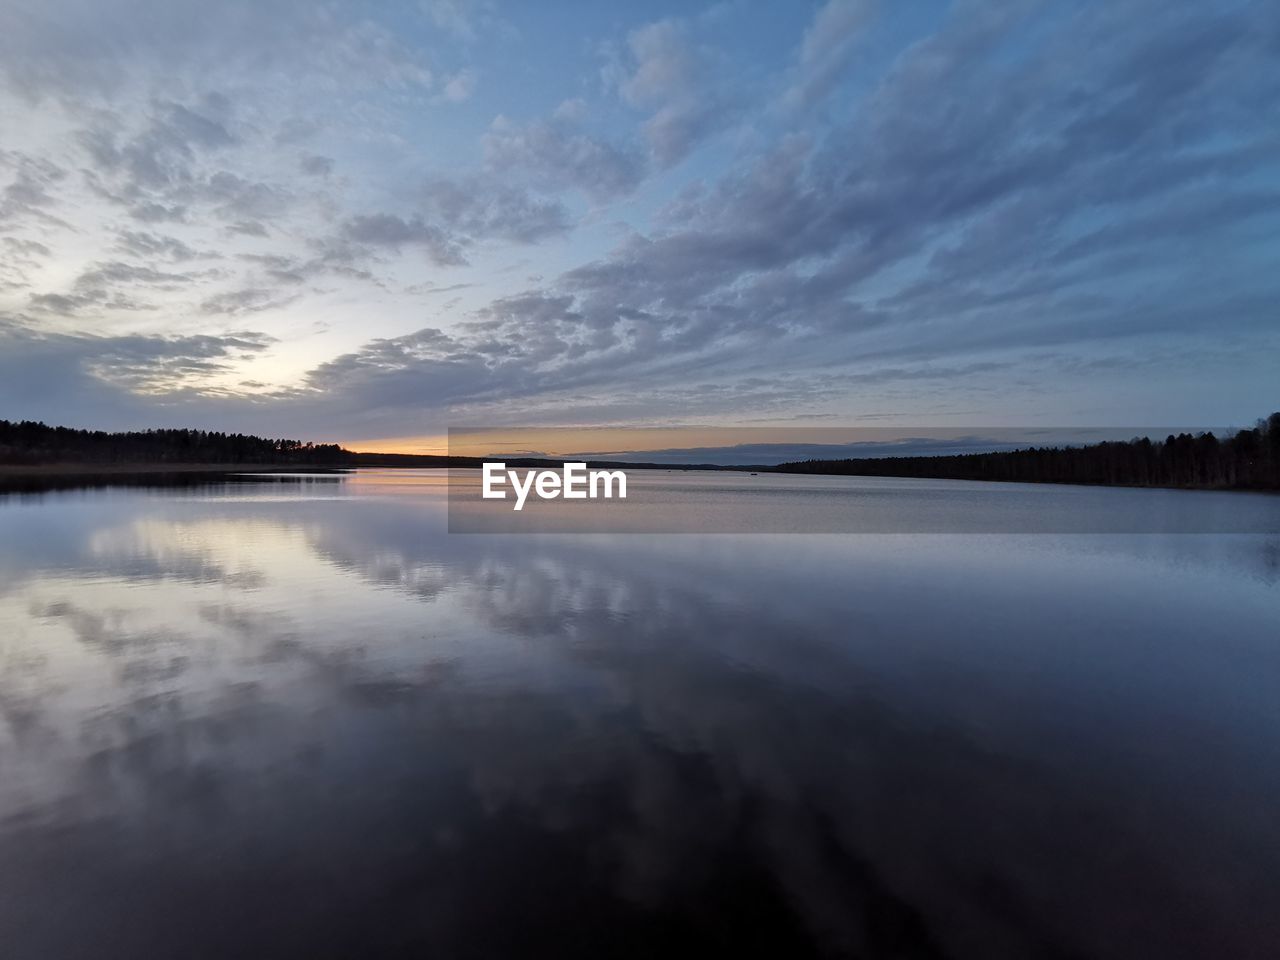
x: 1246, y: 460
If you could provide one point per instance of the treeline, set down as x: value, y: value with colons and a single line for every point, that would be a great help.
x: 1249, y: 460
x: 32, y: 442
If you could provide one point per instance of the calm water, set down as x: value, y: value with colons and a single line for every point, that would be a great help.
x: 301, y: 719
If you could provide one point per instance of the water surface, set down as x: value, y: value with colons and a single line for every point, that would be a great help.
x: 301, y: 719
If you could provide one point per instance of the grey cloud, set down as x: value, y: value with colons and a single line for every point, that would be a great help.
x: 163, y: 364
x: 169, y: 166
x: 680, y: 82
x: 64, y: 377
x: 404, y: 376
x: 828, y: 47
x: 117, y: 272
x: 676, y: 128
x: 183, y: 123
x: 524, y: 378
x: 26, y: 248
x: 150, y: 212
x: 1033, y: 181
x: 291, y: 270
x: 246, y: 300
x: 665, y: 64
x: 280, y: 268
x: 296, y: 130
x: 458, y: 88
x: 247, y: 228
x: 141, y: 243
x: 21, y: 258
x: 388, y: 230
x: 964, y: 157
x: 429, y: 344
x: 159, y: 155
x: 270, y: 261
x: 431, y: 289
x: 316, y: 166
x: 233, y: 196
x: 479, y: 208
x: 27, y: 196
x: 68, y: 304
x: 70, y: 49
x: 782, y: 248
x: 112, y: 285
x: 71, y: 304
x: 554, y: 154
x: 455, y: 214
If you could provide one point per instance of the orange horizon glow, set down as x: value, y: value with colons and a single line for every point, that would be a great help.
x: 428, y: 445
x: 601, y: 442
x: 572, y: 441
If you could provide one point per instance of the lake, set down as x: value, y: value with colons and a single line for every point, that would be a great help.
x: 301, y: 718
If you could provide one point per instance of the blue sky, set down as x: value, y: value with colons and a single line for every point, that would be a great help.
x: 366, y: 222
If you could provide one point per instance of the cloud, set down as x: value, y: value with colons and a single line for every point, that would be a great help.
x: 20, y: 260
x: 117, y: 272
x: 69, y: 304
x: 79, y: 377
x: 164, y: 364
x: 247, y: 228
x: 665, y: 72
x: 957, y: 148
x: 160, y: 154
x: 149, y: 212
x: 114, y: 285
x: 74, y: 50
x: 481, y: 208
x: 459, y: 87
x: 1012, y: 193
x: 27, y: 196
x: 143, y: 244
x: 555, y: 154
x: 799, y: 259
x: 316, y: 166
x: 168, y: 166
x: 828, y: 48
x: 248, y: 300
x: 26, y: 248
x: 455, y: 214
x: 389, y: 230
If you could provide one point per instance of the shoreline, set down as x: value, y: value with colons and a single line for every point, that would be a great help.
x: 80, y: 469
x: 107, y: 472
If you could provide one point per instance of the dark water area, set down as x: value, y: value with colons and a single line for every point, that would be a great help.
x: 302, y: 719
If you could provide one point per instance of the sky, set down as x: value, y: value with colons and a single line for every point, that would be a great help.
x: 371, y: 222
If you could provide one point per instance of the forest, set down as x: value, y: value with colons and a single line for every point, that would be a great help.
x: 1246, y: 460
x: 32, y: 442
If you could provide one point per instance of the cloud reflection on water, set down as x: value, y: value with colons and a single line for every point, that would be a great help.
x: 326, y: 725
